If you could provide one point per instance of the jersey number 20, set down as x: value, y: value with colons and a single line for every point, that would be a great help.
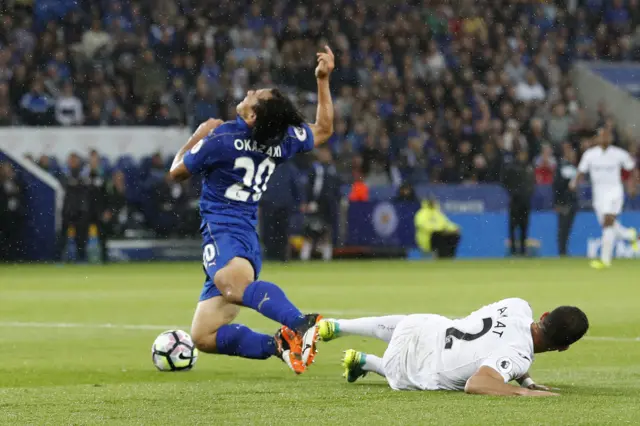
x: 254, y: 179
x: 454, y: 333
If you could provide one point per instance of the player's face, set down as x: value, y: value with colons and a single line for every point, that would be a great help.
x: 604, y: 137
x: 246, y: 106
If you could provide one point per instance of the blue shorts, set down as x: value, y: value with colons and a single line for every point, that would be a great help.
x: 220, y: 244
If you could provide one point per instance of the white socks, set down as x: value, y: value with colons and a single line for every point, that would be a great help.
x: 378, y: 327
x: 327, y: 252
x: 373, y: 363
x: 623, y: 233
x: 606, y: 250
x: 305, y: 252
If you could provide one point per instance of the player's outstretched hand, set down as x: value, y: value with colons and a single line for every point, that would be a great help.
x: 326, y: 63
x: 538, y: 387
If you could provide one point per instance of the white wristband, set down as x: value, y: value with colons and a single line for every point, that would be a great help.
x: 527, y: 382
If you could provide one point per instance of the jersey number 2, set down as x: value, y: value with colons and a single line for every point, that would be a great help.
x: 254, y: 179
x: 454, y: 333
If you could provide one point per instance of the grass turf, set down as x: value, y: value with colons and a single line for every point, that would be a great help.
x: 76, y: 345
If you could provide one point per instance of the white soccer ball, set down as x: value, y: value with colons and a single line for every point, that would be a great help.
x: 174, y: 350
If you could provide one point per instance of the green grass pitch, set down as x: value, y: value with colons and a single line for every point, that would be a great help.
x: 75, y: 345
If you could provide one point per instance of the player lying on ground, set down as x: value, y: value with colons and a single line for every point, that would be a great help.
x: 236, y: 160
x: 479, y: 354
x: 604, y: 164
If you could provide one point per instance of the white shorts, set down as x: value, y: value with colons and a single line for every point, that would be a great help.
x: 408, y: 361
x: 607, y: 203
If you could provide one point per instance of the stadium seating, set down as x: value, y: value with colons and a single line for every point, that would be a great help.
x: 452, y: 88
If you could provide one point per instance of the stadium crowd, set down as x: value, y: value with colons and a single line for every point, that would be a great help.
x: 437, y: 90
x: 424, y: 91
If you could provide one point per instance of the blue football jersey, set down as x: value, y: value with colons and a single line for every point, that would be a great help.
x: 236, y: 170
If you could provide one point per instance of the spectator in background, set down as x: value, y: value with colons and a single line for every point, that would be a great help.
x: 163, y: 118
x: 519, y: 181
x: 530, y: 90
x: 141, y: 116
x: 204, y: 105
x: 95, y: 116
x: 276, y: 207
x: 68, y: 108
x: 150, y: 78
x: 558, y: 125
x: 76, y: 208
x: 95, y: 41
x: 536, y: 138
x: 413, y: 160
x: 406, y: 193
x: 565, y: 200
x: 37, y: 106
x: 359, y: 192
x: 12, y: 214
x: 545, y: 166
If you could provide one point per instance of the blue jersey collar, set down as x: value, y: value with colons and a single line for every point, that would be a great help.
x: 241, y: 123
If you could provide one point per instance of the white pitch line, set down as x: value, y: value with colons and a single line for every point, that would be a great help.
x: 152, y: 327
x: 90, y: 326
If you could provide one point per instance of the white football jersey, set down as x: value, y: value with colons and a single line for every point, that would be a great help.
x: 441, y: 353
x: 604, y: 167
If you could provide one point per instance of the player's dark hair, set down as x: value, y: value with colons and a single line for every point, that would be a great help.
x: 273, y: 118
x: 564, y: 326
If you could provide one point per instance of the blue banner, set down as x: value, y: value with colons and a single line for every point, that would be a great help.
x: 484, y: 197
x: 483, y: 235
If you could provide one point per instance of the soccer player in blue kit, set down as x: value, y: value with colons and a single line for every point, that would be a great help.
x: 236, y: 160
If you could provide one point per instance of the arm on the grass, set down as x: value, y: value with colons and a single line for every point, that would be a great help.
x: 487, y: 381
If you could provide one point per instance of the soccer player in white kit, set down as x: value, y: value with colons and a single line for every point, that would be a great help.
x: 604, y: 164
x: 479, y: 354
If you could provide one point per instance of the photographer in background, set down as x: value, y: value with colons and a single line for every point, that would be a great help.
x: 12, y: 214
x: 565, y: 201
x: 323, y: 196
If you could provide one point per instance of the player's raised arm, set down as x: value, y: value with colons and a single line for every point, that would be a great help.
x: 322, y: 129
x: 179, y: 171
x: 488, y: 381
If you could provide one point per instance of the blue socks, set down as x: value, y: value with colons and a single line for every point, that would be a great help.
x: 239, y: 340
x: 269, y: 300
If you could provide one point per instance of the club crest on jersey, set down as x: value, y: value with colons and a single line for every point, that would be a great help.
x: 504, y: 365
x: 252, y: 146
x: 301, y: 133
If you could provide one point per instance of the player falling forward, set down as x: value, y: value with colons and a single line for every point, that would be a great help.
x: 236, y: 160
x: 479, y: 354
x: 604, y: 164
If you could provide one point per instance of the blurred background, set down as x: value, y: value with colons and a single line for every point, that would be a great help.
x: 458, y: 123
